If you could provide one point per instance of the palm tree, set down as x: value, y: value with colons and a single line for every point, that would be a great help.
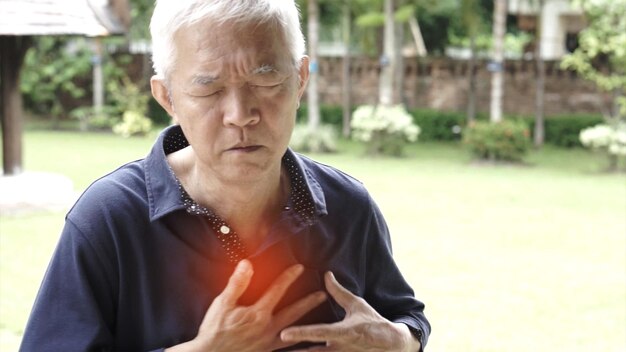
x: 346, y: 23
x: 539, y: 132
x: 471, y: 22
x: 388, y: 59
x: 497, y: 75
x: 312, y: 91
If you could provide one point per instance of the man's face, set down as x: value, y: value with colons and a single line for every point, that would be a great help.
x: 234, y: 90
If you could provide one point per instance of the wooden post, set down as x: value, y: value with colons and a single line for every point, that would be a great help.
x: 12, y: 49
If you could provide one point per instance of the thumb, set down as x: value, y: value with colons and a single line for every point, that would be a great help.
x: 341, y: 295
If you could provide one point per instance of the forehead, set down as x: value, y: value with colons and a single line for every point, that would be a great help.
x: 228, y: 46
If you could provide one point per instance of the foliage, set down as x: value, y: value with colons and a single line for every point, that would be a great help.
x: 133, y: 124
x: 612, y: 139
x: 51, y: 69
x: 132, y: 103
x: 140, y: 13
x: 563, y: 130
x: 90, y: 118
x: 329, y: 114
x: 322, y: 140
x: 157, y: 114
x: 438, y: 125
x: 506, y: 140
x: 560, y: 130
x: 385, y: 129
x: 603, y: 43
x: 128, y: 96
x: 608, y: 138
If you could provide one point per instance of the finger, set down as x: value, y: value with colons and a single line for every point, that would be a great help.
x: 295, y: 311
x: 318, y: 348
x: 343, y: 297
x: 313, y: 333
x: 278, y: 288
x: 237, y: 283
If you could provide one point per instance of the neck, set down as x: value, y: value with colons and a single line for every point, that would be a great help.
x: 249, y: 207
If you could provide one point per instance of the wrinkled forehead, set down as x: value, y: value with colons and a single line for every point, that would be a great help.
x: 207, y: 41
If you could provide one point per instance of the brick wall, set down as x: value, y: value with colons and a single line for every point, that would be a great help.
x: 443, y: 84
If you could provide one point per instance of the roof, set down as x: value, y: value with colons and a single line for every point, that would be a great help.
x: 58, y: 17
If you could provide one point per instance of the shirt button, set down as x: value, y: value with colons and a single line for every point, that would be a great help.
x: 225, y: 229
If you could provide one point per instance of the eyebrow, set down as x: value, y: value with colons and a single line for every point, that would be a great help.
x: 208, y: 79
x: 204, y: 79
x: 264, y: 69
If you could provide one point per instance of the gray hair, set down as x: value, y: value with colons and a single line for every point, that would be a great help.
x: 171, y: 15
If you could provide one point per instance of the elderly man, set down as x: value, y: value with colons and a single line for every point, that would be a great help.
x: 223, y: 239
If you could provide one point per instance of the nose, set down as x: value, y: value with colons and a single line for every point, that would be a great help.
x: 240, y: 108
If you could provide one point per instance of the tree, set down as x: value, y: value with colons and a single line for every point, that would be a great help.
x: 601, y: 55
x: 346, y: 24
x: 497, y: 64
x: 312, y: 92
x: 471, y: 20
x: 601, y: 58
x: 540, y: 82
x: 389, y: 58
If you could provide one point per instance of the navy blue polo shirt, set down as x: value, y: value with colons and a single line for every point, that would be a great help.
x: 134, y: 270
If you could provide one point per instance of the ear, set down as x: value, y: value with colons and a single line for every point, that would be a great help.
x: 303, y: 75
x: 160, y: 92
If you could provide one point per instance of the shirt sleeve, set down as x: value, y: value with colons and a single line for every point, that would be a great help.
x: 386, y: 289
x: 75, y: 306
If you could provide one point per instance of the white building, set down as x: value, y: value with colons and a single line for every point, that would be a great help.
x: 560, y: 24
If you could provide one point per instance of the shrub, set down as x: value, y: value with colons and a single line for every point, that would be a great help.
x: 157, y: 114
x: 560, y: 130
x: 323, y: 140
x: 504, y: 141
x: 564, y: 130
x: 329, y: 114
x: 439, y: 125
x: 611, y: 139
x: 385, y: 129
x: 133, y: 124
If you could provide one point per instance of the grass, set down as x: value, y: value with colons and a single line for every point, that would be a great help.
x: 506, y: 258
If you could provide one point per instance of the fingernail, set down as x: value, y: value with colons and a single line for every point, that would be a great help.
x: 243, y: 267
x: 285, y: 336
x: 320, y: 296
x: 298, y: 268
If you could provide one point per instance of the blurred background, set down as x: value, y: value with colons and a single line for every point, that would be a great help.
x: 491, y: 133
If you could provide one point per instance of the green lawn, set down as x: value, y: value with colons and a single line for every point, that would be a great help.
x: 506, y: 258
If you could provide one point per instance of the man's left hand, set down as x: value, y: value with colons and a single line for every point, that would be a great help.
x: 363, y: 329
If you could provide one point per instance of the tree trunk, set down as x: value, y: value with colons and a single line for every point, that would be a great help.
x: 312, y: 93
x: 471, y: 80
x: 497, y: 64
x: 399, y: 96
x: 12, y: 50
x: 98, y: 84
x: 388, y: 60
x: 539, y: 132
x: 347, y: 88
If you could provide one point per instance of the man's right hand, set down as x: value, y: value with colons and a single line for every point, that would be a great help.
x: 228, y: 326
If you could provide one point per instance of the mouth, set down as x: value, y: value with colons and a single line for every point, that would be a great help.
x: 244, y: 148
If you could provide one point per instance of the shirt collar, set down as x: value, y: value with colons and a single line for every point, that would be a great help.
x: 164, y: 193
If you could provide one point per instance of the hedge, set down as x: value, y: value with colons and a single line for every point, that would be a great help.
x: 560, y: 130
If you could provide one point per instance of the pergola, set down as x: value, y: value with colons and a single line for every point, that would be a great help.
x: 20, y: 20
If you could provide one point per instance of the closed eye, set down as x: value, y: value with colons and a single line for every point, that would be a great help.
x: 266, y: 85
x: 207, y: 94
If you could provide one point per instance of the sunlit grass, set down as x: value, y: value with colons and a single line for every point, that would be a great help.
x: 506, y: 258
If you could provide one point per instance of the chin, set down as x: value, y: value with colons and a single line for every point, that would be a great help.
x: 248, y: 173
